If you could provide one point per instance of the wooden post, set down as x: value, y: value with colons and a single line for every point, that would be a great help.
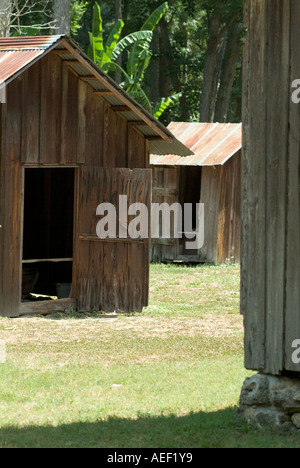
x: 270, y: 186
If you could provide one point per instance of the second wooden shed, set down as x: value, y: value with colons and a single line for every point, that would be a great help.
x: 213, y: 177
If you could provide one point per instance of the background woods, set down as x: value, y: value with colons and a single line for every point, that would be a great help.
x: 196, y: 47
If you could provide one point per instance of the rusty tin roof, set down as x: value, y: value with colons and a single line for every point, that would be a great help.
x: 19, y: 53
x: 213, y: 144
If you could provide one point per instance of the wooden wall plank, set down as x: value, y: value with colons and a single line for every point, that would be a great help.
x: 12, y: 238
x: 94, y: 129
x: 108, y: 138
x: 121, y: 141
x: 31, y: 101
x: 234, y: 217
x: 292, y: 317
x: 137, y: 154
x: 3, y: 112
x: 253, y: 299
x: 13, y: 131
x: 72, y: 119
x: 82, y: 118
x: 210, y: 196
x: 64, y: 113
x: 229, y: 218
x: 51, y: 101
x: 12, y: 191
x: 224, y: 206
x: 276, y: 118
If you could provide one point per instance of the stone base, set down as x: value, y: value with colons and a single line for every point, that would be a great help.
x: 271, y: 401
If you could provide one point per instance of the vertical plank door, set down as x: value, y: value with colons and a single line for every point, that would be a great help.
x: 165, y: 190
x: 111, y: 274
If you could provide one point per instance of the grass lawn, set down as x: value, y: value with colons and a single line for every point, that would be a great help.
x: 167, y: 378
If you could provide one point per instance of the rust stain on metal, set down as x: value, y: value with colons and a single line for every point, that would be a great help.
x: 17, y: 52
x: 26, y: 42
x: 12, y: 62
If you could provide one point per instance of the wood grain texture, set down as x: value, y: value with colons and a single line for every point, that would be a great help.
x: 47, y: 307
x: 112, y: 275
x: 276, y: 117
x: 271, y: 202
x: 292, y: 315
x: 253, y: 294
x: 165, y: 190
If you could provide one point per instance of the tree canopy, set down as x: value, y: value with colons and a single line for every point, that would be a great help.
x: 196, y: 47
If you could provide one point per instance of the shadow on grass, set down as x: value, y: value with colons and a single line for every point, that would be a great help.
x: 197, y: 430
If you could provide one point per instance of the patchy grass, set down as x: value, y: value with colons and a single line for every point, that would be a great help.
x: 169, y: 377
x: 188, y: 291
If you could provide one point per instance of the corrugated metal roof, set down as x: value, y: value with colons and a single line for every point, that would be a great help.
x: 12, y: 62
x: 18, y: 53
x: 213, y: 143
x: 27, y: 42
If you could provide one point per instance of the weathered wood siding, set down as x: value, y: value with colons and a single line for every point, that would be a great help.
x: 229, y: 219
x: 221, y: 195
x: 11, y: 204
x: 63, y: 122
x: 52, y: 118
x: 210, y: 196
x: 112, y: 274
x: 270, y: 200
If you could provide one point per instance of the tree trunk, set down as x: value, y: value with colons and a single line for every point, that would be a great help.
x: 61, y: 13
x: 118, y: 9
x: 232, y: 55
x: 165, y: 62
x: 217, y: 75
x: 185, y: 108
x: 118, y: 16
x: 208, y: 88
x: 154, y: 69
x: 5, y: 17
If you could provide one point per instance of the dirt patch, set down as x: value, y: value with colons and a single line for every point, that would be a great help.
x: 43, y: 330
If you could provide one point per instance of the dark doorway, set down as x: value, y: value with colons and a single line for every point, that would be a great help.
x: 189, y: 192
x: 48, y: 232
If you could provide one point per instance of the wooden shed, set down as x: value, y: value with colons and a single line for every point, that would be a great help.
x: 70, y: 140
x: 211, y: 176
x: 270, y: 187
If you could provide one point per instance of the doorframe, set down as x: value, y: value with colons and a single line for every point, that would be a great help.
x: 59, y: 305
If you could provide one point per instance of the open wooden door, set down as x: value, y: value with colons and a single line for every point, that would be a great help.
x: 165, y: 190
x: 112, y: 274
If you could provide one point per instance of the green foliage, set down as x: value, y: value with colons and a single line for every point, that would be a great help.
x: 164, y: 104
x: 78, y: 9
x: 138, y: 45
x: 157, y: 53
x: 130, y: 40
x: 104, y: 54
